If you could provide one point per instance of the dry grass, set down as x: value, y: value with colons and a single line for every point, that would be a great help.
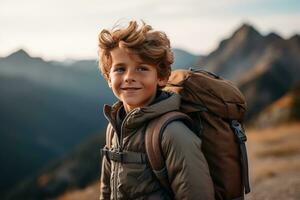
x: 290, y: 149
x: 274, y: 159
x: 89, y: 193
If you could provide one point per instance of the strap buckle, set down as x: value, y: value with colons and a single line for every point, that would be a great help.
x: 104, y: 152
x: 238, y: 131
x: 117, y: 156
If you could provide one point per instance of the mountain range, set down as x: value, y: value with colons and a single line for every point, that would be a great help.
x: 46, y: 110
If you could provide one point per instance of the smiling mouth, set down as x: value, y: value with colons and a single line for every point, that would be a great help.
x: 129, y: 89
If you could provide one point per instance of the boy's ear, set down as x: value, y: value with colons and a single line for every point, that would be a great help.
x: 162, y: 82
x: 109, y: 82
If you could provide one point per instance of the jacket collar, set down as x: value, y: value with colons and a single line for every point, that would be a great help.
x: 138, y: 116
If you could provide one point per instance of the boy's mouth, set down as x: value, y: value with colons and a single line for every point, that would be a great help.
x: 130, y: 88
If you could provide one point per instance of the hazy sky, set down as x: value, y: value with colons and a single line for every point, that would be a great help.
x: 60, y: 29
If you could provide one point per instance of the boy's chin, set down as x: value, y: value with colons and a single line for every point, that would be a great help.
x: 130, y: 105
x: 134, y: 102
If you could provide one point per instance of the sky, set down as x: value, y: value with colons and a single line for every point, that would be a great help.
x: 68, y: 29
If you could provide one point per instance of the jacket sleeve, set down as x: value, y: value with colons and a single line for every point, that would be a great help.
x: 105, y: 173
x: 188, y: 171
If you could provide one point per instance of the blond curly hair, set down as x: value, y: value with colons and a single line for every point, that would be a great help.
x: 151, y: 46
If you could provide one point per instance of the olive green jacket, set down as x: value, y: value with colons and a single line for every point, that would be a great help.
x: 187, y: 169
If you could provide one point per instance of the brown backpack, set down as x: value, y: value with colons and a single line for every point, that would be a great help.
x: 216, y: 109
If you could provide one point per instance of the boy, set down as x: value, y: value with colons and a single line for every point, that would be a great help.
x: 136, y: 62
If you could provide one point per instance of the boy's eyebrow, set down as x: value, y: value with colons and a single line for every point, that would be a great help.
x: 120, y: 63
x: 124, y: 64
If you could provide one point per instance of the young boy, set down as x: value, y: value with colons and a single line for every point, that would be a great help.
x: 136, y: 62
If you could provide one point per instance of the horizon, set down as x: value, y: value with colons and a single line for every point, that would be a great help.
x: 33, y: 26
x: 95, y: 58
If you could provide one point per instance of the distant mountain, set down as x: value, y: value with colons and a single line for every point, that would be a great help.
x: 276, y: 72
x: 184, y: 59
x: 45, y: 111
x: 239, y: 53
x: 264, y: 67
x: 21, y: 54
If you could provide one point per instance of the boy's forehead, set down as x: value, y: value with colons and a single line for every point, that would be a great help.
x: 124, y: 55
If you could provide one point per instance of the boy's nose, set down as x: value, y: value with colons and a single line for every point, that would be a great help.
x: 129, y: 77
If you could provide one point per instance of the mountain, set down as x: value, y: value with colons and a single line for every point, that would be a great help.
x: 239, y: 53
x: 183, y: 59
x: 264, y: 67
x: 45, y: 111
x: 272, y: 77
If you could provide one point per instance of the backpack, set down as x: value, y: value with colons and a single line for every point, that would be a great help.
x: 215, y: 108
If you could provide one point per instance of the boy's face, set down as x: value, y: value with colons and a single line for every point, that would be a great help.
x: 133, y: 81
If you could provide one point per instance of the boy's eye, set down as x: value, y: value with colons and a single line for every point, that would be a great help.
x: 142, y: 68
x: 119, y: 69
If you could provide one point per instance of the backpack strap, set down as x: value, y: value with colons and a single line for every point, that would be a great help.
x: 241, y: 139
x: 108, y: 139
x: 153, y: 137
x: 109, y: 135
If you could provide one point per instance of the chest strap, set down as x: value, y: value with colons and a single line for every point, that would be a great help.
x: 124, y: 156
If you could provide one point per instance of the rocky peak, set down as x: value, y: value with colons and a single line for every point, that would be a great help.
x: 19, y: 54
x: 246, y: 31
x: 295, y: 39
x: 273, y: 36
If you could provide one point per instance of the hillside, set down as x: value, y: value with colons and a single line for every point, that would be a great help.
x: 274, y: 155
x: 75, y: 170
x: 284, y: 110
x: 46, y: 110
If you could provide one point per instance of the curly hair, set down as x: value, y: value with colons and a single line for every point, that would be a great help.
x: 151, y: 46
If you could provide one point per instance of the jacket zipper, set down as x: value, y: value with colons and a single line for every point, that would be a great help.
x: 120, y: 149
